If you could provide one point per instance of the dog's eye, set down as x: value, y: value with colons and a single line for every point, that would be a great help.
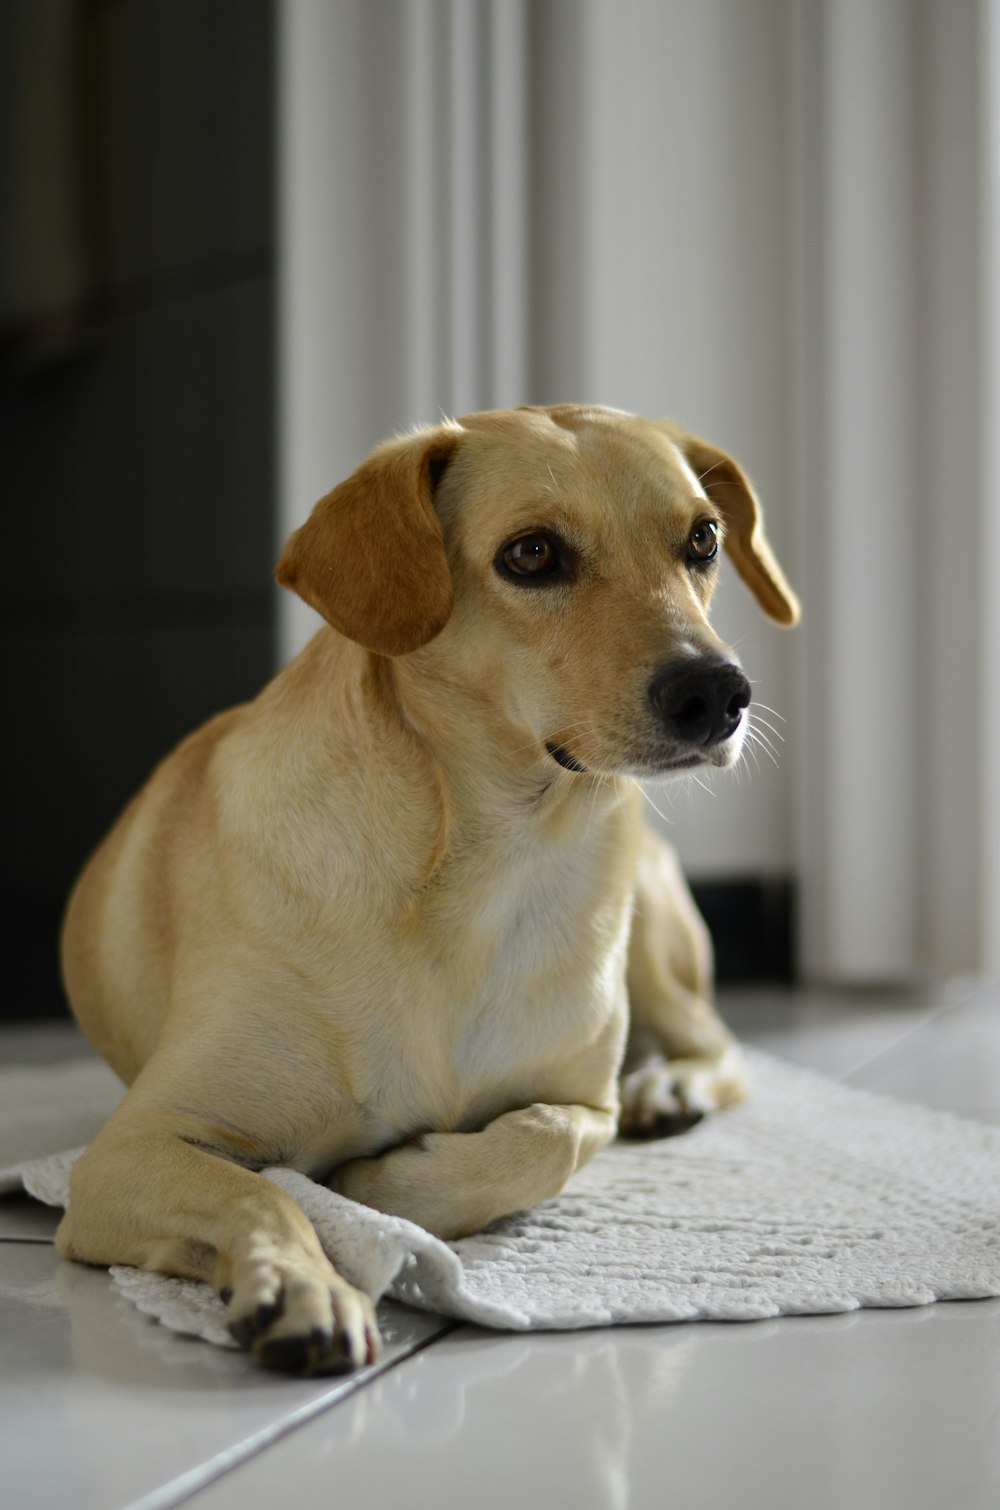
x: 703, y: 542
x: 531, y: 556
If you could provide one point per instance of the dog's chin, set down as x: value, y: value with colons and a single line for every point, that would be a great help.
x: 678, y: 764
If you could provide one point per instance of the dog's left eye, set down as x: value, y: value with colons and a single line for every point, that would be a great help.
x: 532, y: 557
x: 703, y: 542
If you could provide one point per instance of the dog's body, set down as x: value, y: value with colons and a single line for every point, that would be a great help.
x: 386, y: 924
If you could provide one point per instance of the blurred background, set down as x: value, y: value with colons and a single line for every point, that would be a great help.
x: 243, y: 240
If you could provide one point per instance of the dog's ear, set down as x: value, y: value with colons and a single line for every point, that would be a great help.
x: 729, y: 489
x: 371, y: 557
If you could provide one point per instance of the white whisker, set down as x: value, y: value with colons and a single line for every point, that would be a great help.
x: 748, y: 745
x: 762, y: 737
x: 756, y: 742
x: 652, y: 804
x: 755, y: 720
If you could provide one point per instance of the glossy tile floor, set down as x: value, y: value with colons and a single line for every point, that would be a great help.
x: 100, y: 1408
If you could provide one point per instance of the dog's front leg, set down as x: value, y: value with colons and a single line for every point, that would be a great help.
x: 149, y: 1192
x: 681, y: 1060
x: 456, y: 1183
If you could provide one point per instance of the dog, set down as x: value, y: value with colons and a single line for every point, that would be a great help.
x: 397, y: 923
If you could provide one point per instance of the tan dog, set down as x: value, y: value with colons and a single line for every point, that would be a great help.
x: 385, y: 924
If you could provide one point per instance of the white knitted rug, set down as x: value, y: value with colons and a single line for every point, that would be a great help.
x: 809, y: 1198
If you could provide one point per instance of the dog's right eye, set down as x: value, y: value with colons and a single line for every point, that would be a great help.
x: 703, y: 543
x: 530, y: 558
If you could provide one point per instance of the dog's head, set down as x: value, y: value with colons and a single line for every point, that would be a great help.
x: 558, y: 565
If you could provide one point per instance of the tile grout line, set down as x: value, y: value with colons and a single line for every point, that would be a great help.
x: 199, y: 1478
x: 915, y: 1038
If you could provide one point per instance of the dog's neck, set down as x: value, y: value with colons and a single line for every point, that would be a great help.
x: 400, y: 715
x: 417, y: 769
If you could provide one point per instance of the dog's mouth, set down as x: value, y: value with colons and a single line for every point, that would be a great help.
x: 648, y: 768
x: 720, y: 757
x: 562, y: 757
x: 651, y: 764
x: 569, y: 762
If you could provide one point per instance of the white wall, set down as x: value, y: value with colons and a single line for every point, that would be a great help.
x: 769, y: 219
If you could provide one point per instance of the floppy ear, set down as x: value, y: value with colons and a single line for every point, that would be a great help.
x: 728, y: 487
x: 371, y: 558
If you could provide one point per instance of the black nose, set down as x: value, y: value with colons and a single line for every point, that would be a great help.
x: 700, y: 702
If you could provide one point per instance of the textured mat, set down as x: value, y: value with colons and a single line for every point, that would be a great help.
x: 809, y: 1198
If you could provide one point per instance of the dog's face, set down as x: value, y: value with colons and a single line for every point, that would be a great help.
x: 557, y: 565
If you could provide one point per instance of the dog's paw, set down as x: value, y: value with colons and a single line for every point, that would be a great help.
x: 663, y: 1097
x: 299, y: 1316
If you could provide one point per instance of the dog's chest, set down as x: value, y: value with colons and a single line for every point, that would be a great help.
x: 503, y: 985
x: 523, y: 974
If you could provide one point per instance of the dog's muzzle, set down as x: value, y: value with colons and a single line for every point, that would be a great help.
x: 700, y: 702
